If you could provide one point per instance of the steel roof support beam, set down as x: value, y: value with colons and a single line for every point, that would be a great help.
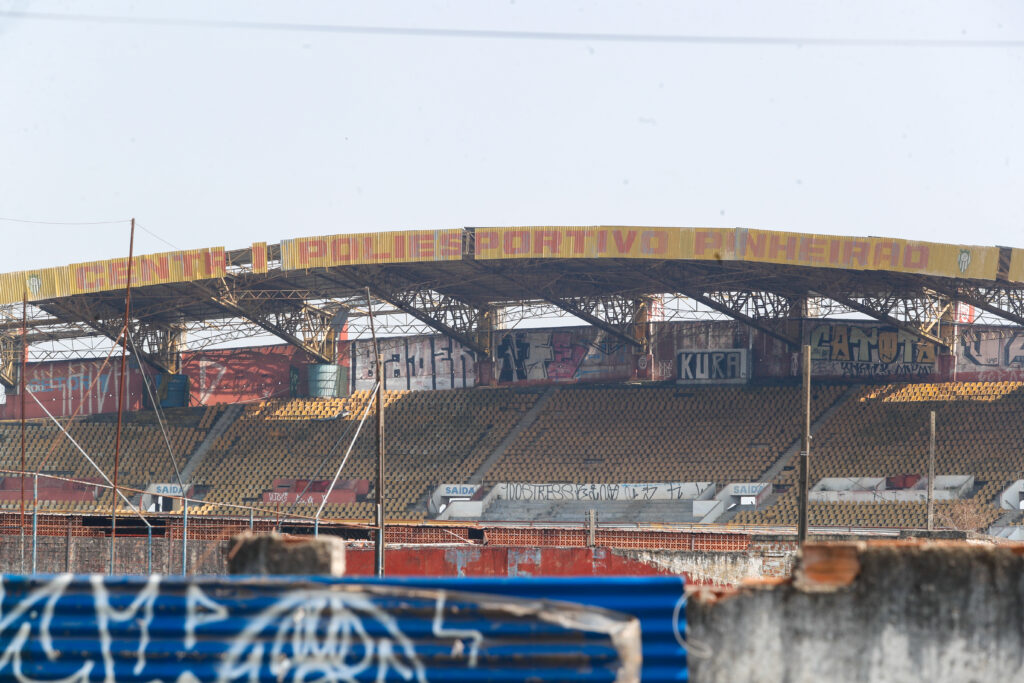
x: 619, y: 311
x: 1005, y: 303
x: 737, y: 314
x: 732, y: 305
x: 10, y: 357
x: 284, y: 326
x: 881, y: 310
x: 446, y: 314
x: 107, y: 327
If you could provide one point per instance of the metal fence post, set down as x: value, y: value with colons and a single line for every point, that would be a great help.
x: 149, y: 549
x: 184, y: 538
x: 35, y: 518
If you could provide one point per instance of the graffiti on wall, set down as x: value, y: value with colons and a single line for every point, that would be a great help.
x: 86, y: 387
x: 414, y: 363
x: 712, y: 366
x: 560, y: 355
x: 157, y: 629
x: 991, y: 353
x: 869, y: 351
x: 245, y: 374
x: 602, y: 492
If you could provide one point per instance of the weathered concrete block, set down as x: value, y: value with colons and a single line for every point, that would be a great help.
x: 281, y: 554
x: 877, y: 611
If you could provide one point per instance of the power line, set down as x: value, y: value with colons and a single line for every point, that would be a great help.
x: 513, y: 35
x: 153, y: 234
x: 82, y: 223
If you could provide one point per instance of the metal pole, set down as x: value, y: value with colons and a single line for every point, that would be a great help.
x: 805, y: 451
x: 184, y: 537
x: 250, y: 520
x: 931, y: 473
x: 348, y: 452
x: 67, y: 549
x: 379, y: 544
x: 120, y: 396
x: 24, y: 363
x: 149, y: 550
x: 35, y: 518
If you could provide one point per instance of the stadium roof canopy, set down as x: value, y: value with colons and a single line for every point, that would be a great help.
x: 460, y: 281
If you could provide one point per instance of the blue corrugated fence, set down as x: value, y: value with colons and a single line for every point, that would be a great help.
x: 160, y: 629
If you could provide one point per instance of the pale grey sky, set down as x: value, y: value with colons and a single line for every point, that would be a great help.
x: 227, y: 135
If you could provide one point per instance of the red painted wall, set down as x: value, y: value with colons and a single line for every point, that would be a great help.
x: 86, y: 387
x: 245, y: 374
x: 498, y: 561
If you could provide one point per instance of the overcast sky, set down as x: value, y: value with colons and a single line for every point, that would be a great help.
x: 224, y: 135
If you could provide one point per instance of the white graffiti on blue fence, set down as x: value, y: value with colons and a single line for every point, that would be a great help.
x: 328, y: 634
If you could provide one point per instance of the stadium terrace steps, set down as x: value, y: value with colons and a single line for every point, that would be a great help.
x: 524, y: 423
x: 794, y: 450
x: 432, y: 437
x: 628, y: 433
x: 882, y: 431
x: 226, y: 419
x: 789, y: 456
x: 580, y: 434
x: 143, y: 458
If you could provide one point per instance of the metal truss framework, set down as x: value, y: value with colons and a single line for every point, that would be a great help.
x: 300, y: 323
x: 154, y: 343
x: 1004, y: 302
x: 309, y: 311
x: 449, y: 315
x: 760, y: 309
x: 613, y: 313
x: 917, y: 312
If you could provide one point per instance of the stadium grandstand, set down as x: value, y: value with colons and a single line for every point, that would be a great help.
x: 529, y: 375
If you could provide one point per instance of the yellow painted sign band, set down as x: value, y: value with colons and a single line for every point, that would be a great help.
x: 1016, y: 273
x: 100, y: 276
x: 546, y: 242
x: 851, y: 253
x: 404, y: 246
x: 259, y: 257
x: 738, y: 244
x: 580, y: 242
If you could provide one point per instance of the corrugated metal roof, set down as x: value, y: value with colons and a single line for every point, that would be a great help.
x: 99, y: 628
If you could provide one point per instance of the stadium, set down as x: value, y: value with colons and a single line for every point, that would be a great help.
x: 550, y: 395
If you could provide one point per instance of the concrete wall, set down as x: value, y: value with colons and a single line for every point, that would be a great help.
x: 880, y: 612
x: 85, y: 555
x: 767, y: 558
x: 763, y: 558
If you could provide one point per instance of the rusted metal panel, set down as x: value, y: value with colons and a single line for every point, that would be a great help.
x: 156, y: 629
x: 252, y: 373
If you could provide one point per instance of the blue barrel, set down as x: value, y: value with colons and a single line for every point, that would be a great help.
x: 170, y: 390
x: 328, y: 381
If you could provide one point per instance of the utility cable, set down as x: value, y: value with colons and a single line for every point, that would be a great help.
x: 91, y: 461
x: 366, y: 411
x: 495, y: 34
x: 156, y: 409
